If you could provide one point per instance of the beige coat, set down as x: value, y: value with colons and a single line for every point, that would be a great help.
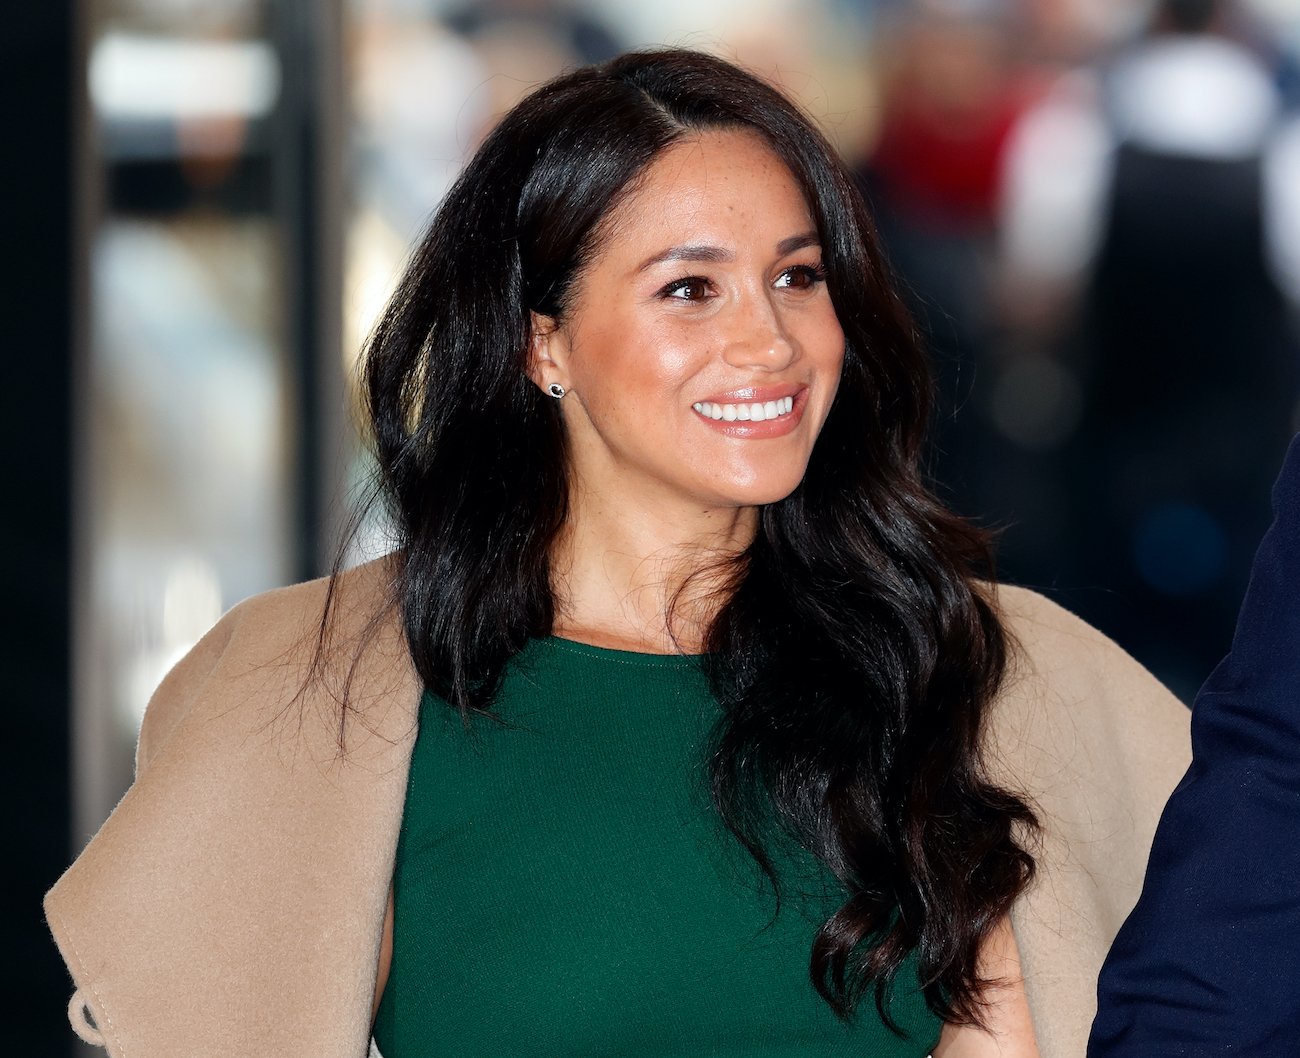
x: 233, y: 902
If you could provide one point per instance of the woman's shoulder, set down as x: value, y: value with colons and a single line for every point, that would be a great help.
x: 355, y: 595
x: 1043, y: 628
x: 1074, y: 702
x: 1096, y: 744
x: 1059, y: 661
x: 325, y: 637
x: 251, y: 796
x: 274, y: 621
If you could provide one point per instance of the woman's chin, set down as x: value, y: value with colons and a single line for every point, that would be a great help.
x: 757, y: 491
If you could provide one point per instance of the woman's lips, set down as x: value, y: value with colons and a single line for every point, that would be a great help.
x: 754, y: 413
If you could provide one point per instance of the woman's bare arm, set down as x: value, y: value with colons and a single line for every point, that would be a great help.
x: 1009, y: 1033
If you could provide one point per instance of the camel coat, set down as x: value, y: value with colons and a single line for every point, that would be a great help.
x: 233, y: 902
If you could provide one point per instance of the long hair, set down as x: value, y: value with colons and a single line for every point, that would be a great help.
x: 854, y: 656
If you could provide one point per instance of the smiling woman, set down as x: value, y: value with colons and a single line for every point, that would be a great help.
x: 643, y: 348
x: 749, y: 769
x: 699, y: 265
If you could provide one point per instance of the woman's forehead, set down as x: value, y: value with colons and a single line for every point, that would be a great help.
x: 721, y: 189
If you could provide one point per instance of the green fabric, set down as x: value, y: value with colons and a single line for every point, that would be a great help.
x: 563, y: 885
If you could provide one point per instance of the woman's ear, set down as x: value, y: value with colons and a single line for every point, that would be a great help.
x: 547, y: 353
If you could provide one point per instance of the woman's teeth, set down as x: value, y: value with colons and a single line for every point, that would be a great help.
x: 757, y: 412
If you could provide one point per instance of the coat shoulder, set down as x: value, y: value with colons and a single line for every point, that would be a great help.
x: 1059, y: 660
x: 1045, y: 631
x: 263, y: 784
x: 325, y: 630
x: 355, y: 596
x: 1075, y: 704
x: 1095, y: 744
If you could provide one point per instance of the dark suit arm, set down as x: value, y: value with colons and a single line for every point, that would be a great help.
x: 1207, y: 962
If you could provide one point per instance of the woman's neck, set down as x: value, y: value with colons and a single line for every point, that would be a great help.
x: 646, y: 576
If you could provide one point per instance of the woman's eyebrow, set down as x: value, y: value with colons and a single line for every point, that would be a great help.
x: 688, y: 253
x: 716, y: 254
x: 797, y: 242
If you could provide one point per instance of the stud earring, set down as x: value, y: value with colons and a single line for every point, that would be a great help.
x: 555, y: 390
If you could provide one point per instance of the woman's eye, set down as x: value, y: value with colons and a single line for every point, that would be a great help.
x: 691, y: 288
x: 801, y: 277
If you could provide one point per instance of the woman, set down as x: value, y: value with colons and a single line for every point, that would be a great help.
x: 648, y: 418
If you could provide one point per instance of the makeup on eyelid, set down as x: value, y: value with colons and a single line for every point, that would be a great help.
x: 815, y: 274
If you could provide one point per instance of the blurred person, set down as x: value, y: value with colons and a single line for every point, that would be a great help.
x: 521, y: 43
x: 1207, y: 962
x: 428, y: 87
x: 567, y: 28
x: 950, y: 99
x: 1164, y: 198
x: 953, y: 89
x: 681, y: 719
x: 415, y: 112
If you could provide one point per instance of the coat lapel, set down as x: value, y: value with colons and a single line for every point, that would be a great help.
x: 232, y: 903
x: 1097, y: 744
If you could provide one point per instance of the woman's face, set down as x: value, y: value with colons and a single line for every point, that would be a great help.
x: 701, y: 352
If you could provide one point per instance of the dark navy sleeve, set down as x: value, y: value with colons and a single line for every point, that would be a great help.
x: 1208, y: 962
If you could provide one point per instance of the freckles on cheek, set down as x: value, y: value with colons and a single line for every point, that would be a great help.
x: 672, y: 362
x: 673, y: 351
x: 645, y: 356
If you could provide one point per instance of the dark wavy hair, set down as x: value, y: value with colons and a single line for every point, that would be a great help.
x: 854, y: 655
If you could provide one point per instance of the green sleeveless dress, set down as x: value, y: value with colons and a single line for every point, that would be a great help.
x: 564, y: 887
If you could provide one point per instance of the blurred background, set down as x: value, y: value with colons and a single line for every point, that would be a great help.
x: 1093, y: 207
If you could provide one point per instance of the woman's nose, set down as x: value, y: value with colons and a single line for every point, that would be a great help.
x: 756, y: 337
